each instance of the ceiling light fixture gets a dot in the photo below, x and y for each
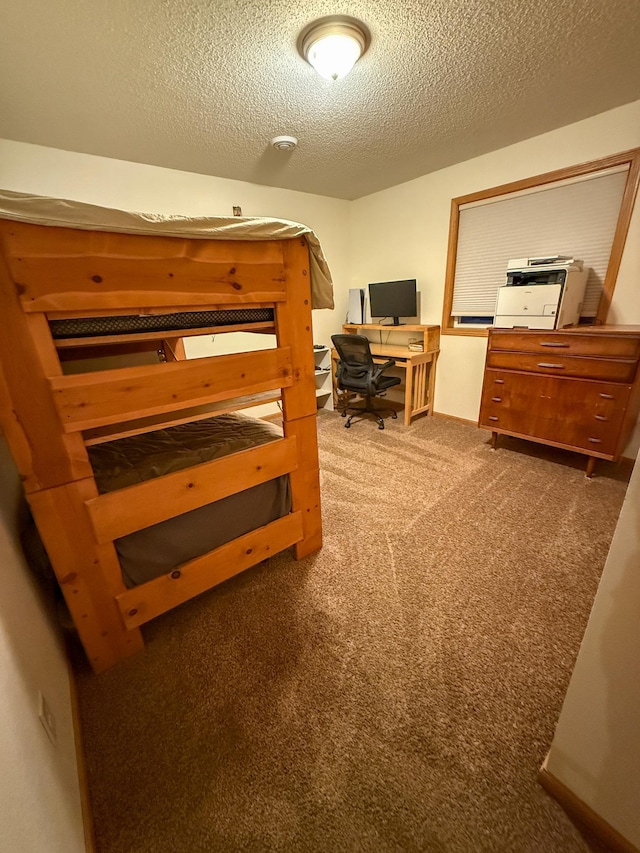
(334, 44)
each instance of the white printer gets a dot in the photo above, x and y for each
(541, 293)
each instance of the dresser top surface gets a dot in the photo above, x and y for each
(610, 329)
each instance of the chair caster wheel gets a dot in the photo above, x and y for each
(347, 425)
(343, 414)
(394, 415)
(380, 426)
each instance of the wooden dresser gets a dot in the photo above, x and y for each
(577, 389)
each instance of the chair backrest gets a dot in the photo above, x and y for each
(354, 352)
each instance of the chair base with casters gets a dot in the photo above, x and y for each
(367, 409)
(358, 373)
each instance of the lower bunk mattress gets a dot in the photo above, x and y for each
(158, 549)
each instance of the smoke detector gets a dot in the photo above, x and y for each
(284, 143)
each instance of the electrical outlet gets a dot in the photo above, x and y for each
(45, 715)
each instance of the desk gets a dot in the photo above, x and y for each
(419, 367)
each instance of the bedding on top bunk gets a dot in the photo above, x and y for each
(42, 210)
(157, 550)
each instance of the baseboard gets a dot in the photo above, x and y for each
(85, 801)
(582, 815)
(455, 418)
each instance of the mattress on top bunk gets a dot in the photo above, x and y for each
(157, 550)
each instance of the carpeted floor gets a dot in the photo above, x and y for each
(397, 691)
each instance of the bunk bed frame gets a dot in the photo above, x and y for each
(49, 418)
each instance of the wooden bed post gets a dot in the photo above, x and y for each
(44, 455)
(89, 574)
(293, 328)
(57, 478)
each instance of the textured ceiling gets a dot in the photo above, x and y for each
(203, 85)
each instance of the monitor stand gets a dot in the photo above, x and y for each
(396, 322)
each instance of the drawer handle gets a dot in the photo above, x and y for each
(607, 396)
(595, 440)
(601, 418)
(499, 381)
(492, 418)
(552, 344)
(552, 366)
(496, 399)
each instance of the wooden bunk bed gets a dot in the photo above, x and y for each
(80, 283)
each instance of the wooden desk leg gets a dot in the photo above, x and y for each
(408, 393)
(432, 381)
(334, 384)
(494, 440)
(591, 464)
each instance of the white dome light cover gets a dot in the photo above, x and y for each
(284, 143)
(333, 45)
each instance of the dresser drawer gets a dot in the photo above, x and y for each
(567, 343)
(552, 397)
(573, 412)
(555, 364)
(593, 437)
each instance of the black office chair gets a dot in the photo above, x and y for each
(358, 372)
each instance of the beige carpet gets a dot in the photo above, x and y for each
(397, 691)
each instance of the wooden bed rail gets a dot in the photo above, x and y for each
(121, 512)
(88, 400)
(148, 600)
(65, 269)
(137, 426)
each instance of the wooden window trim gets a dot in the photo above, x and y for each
(631, 157)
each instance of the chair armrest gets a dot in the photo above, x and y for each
(380, 368)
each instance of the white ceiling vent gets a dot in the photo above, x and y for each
(284, 143)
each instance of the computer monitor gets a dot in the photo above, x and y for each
(393, 299)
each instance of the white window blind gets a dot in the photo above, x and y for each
(576, 218)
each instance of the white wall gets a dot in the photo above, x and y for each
(402, 232)
(596, 748)
(39, 793)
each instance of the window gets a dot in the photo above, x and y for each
(582, 211)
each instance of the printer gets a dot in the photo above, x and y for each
(541, 293)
